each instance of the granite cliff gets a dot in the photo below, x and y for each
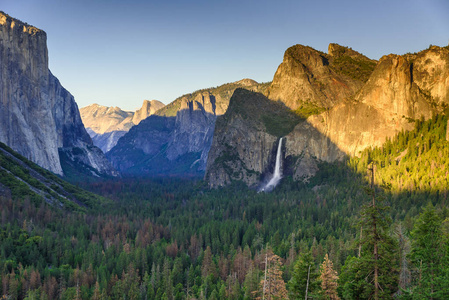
(177, 138)
(313, 78)
(245, 138)
(38, 117)
(400, 90)
(345, 101)
(106, 125)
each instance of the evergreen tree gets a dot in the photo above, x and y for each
(251, 282)
(97, 293)
(329, 278)
(272, 286)
(208, 265)
(404, 250)
(375, 272)
(305, 278)
(429, 256)
(351, 281)
(168, 284)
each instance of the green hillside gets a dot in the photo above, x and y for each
(413, 160)
(21, 178)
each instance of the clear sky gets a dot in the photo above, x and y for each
(118, 53)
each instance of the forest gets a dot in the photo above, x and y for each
(373, 227)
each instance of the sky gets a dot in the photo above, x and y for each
(118, 53)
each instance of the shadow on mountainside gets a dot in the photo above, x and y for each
(159, 147)
(246, 138)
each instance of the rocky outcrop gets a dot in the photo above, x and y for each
(141, 150)
(400, 90)
(38, 117)
(307, 81)
(149, 107)
(307, 76)
(194, 128)
(244, 146)
(106, 125)
(181, 146)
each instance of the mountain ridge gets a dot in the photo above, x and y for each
(107, 124)
(189, 122)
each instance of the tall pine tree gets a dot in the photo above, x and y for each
(329, 278)
(305, 278)
(429, 256)
(375, 272)
(272, 286)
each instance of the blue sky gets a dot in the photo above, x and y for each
(118, 53)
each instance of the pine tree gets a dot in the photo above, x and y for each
(404, 250)
(375, 273)
(168, 284)
(251, 282)
(97, 293)
(272, 286)
(304, 278)
(329, 278)
(429, 256)
(208, 266)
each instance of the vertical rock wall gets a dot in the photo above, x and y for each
(38, 117)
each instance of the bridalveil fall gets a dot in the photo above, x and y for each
(277, 175)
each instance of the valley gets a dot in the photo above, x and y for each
(328, 182)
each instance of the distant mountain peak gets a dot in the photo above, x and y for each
(149, 107)
(246, 82)
(106, 124)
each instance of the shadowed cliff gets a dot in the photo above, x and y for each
(181, 145)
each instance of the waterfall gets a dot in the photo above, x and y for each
(277, 175)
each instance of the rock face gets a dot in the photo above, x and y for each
(362, 106)
(307, 76)
(38, 117)
(106, 125)
(400, 90)
(101, 119)
(194, 128)
(242, 147)
(245, 144)
(176, 140)
(149, 107)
